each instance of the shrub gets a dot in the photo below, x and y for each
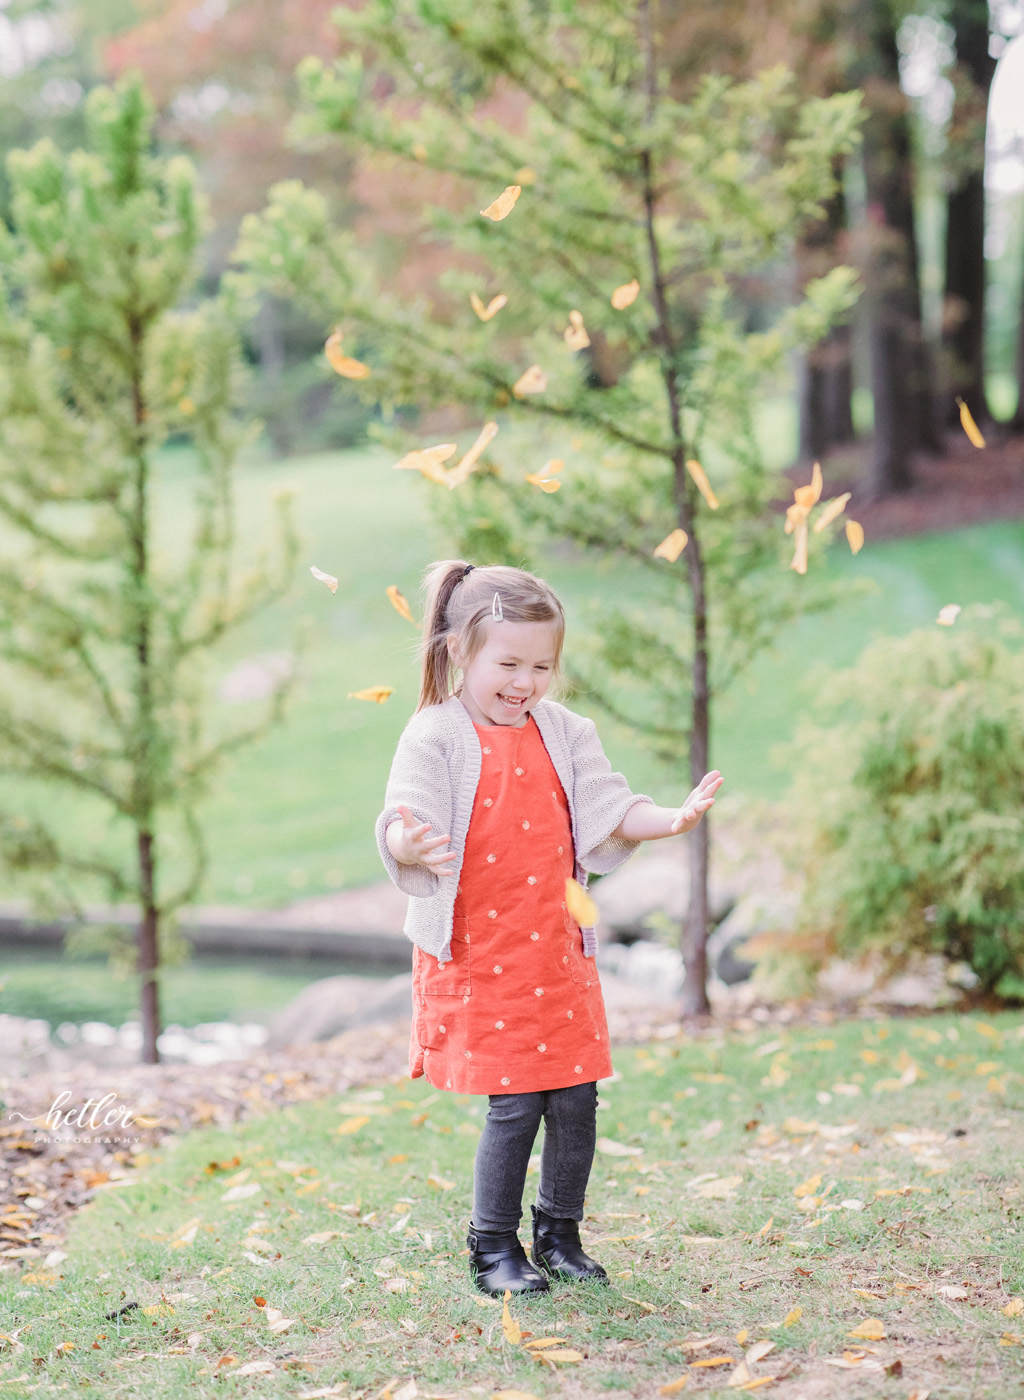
(908, 805)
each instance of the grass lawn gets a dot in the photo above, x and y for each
(849, 1194)
(294, 816)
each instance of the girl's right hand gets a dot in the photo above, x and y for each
(410, 845)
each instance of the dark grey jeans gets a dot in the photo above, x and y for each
(503, 1154)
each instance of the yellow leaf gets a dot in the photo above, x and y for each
(440, 1183)
(526, 175)
(872, 1329)
(543, 477)
(378, 694)
(672, 546)
(1009, 1339)
(756, 1384)
(539, 1343)
(758, 1350)
(702, 484)
(580, 905)
(794, 1315)
(1014, 1308)
(575, 333)
(343, 364)
(674, 1387)
(560, 1354)
(468, 461)
(329, 579)
(186, 406)
(833, 508)
(968, 424)
(741, 1337)
(531, 381)
(740, 1376)
(808, 1187)
(799, 559)
(353, 1125)
(715, 1361)
(608, 1147)
(719, 1188)
(948, 614)
(321, 1237)
(625, 295)
(808, 496)
(766, 1226)
(855, 536)
(491, 309)
(428, 461)
(276, 1320)
(400, 603)
(514, 1395)
(502, 207)
(509, 1325)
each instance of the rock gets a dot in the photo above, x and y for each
(774, 911)
(651, 886)
(924, 982)
(654, 969)
(335, 1004)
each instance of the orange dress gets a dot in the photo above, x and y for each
(518, 1008)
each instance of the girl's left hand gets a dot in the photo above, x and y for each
(698, 802)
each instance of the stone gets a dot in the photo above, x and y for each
(650, 888)
(335, 1004)
(753, 914)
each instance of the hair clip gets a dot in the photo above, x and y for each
(496, 612)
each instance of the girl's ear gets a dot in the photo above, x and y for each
(450, 641)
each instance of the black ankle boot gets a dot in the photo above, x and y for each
(557, 1248)
(498, 1261)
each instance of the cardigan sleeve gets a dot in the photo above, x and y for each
(601, 799)
(419, 780)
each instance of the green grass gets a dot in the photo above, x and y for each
(294, 816)
(734, 1214)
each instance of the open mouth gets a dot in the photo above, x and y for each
(512, 704)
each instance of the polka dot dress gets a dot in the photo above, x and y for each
(518, 1008)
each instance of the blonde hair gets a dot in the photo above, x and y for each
(459, 602)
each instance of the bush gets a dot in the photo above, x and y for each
(908, 805)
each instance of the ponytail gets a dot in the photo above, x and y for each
(437, 673)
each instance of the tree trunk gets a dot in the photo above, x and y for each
(826, 386)
(148, 953)
(1016, 424)
(694, 1000)
(963, 304)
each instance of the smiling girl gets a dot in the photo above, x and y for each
(497, 796)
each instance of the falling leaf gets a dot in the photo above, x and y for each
(344, 364)
(580, 905)
(832, 509)
(794, 1315)
(808, 496)
(672, 546)
(502, 207)
(491, 309)
(674, 1387)
(610, 1148)
(329, 579)
(353, 1125)
(625, 295)
(428, 461)
(468, 462)
(808, 1187)
(543, 478)
(575, 333)
(799, 559)
(531, 381)
(968, 424)
(400, 603)
(872, 1329)
(702, 484)
(378, 694)
(509, 1325)
(948, 615)
(855, 535)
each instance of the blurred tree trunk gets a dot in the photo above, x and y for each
(963, 307)
(826, 417)
(900, 377)
(1016, 424)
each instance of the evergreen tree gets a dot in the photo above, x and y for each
(102, 637)
(674, 203)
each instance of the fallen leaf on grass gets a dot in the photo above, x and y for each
(740, 1376)
(353, 1125)
(872, 1329)
(610, 1148)
(968, 424)
(761, 1380)
(329, 579)
(758, 1350)
(400, 603)
(575, 333)
(559, 1354)
(647, 1307)
(239, 1193)
(276, 1320)
(701, 482)
(579, 904)
(323, 1393)
(672, 546)
(625, 295)
(793, 1316)
(344, 364)
(855, 536)
(808, 1187)
(321, 1237)
(491, 309)
(715, 1361)
(397, 1285)
(1014, 1307)
(674, 1387)
(531, 381)
(514, 1395)
(540, 1343)
(440, 1183)
(255, 1368)
(948, 615)
(719, 1188)
(509, 1325)
(378, 694)
(409, 1391)
(501, 207)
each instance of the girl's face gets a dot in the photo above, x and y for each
(510, 673)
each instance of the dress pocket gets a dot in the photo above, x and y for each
(581, 969)
(453, 979)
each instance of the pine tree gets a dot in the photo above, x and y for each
(102, 638)
(621, 184)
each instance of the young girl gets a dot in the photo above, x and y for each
(496, 797)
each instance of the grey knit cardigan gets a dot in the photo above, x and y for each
(435, 773)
